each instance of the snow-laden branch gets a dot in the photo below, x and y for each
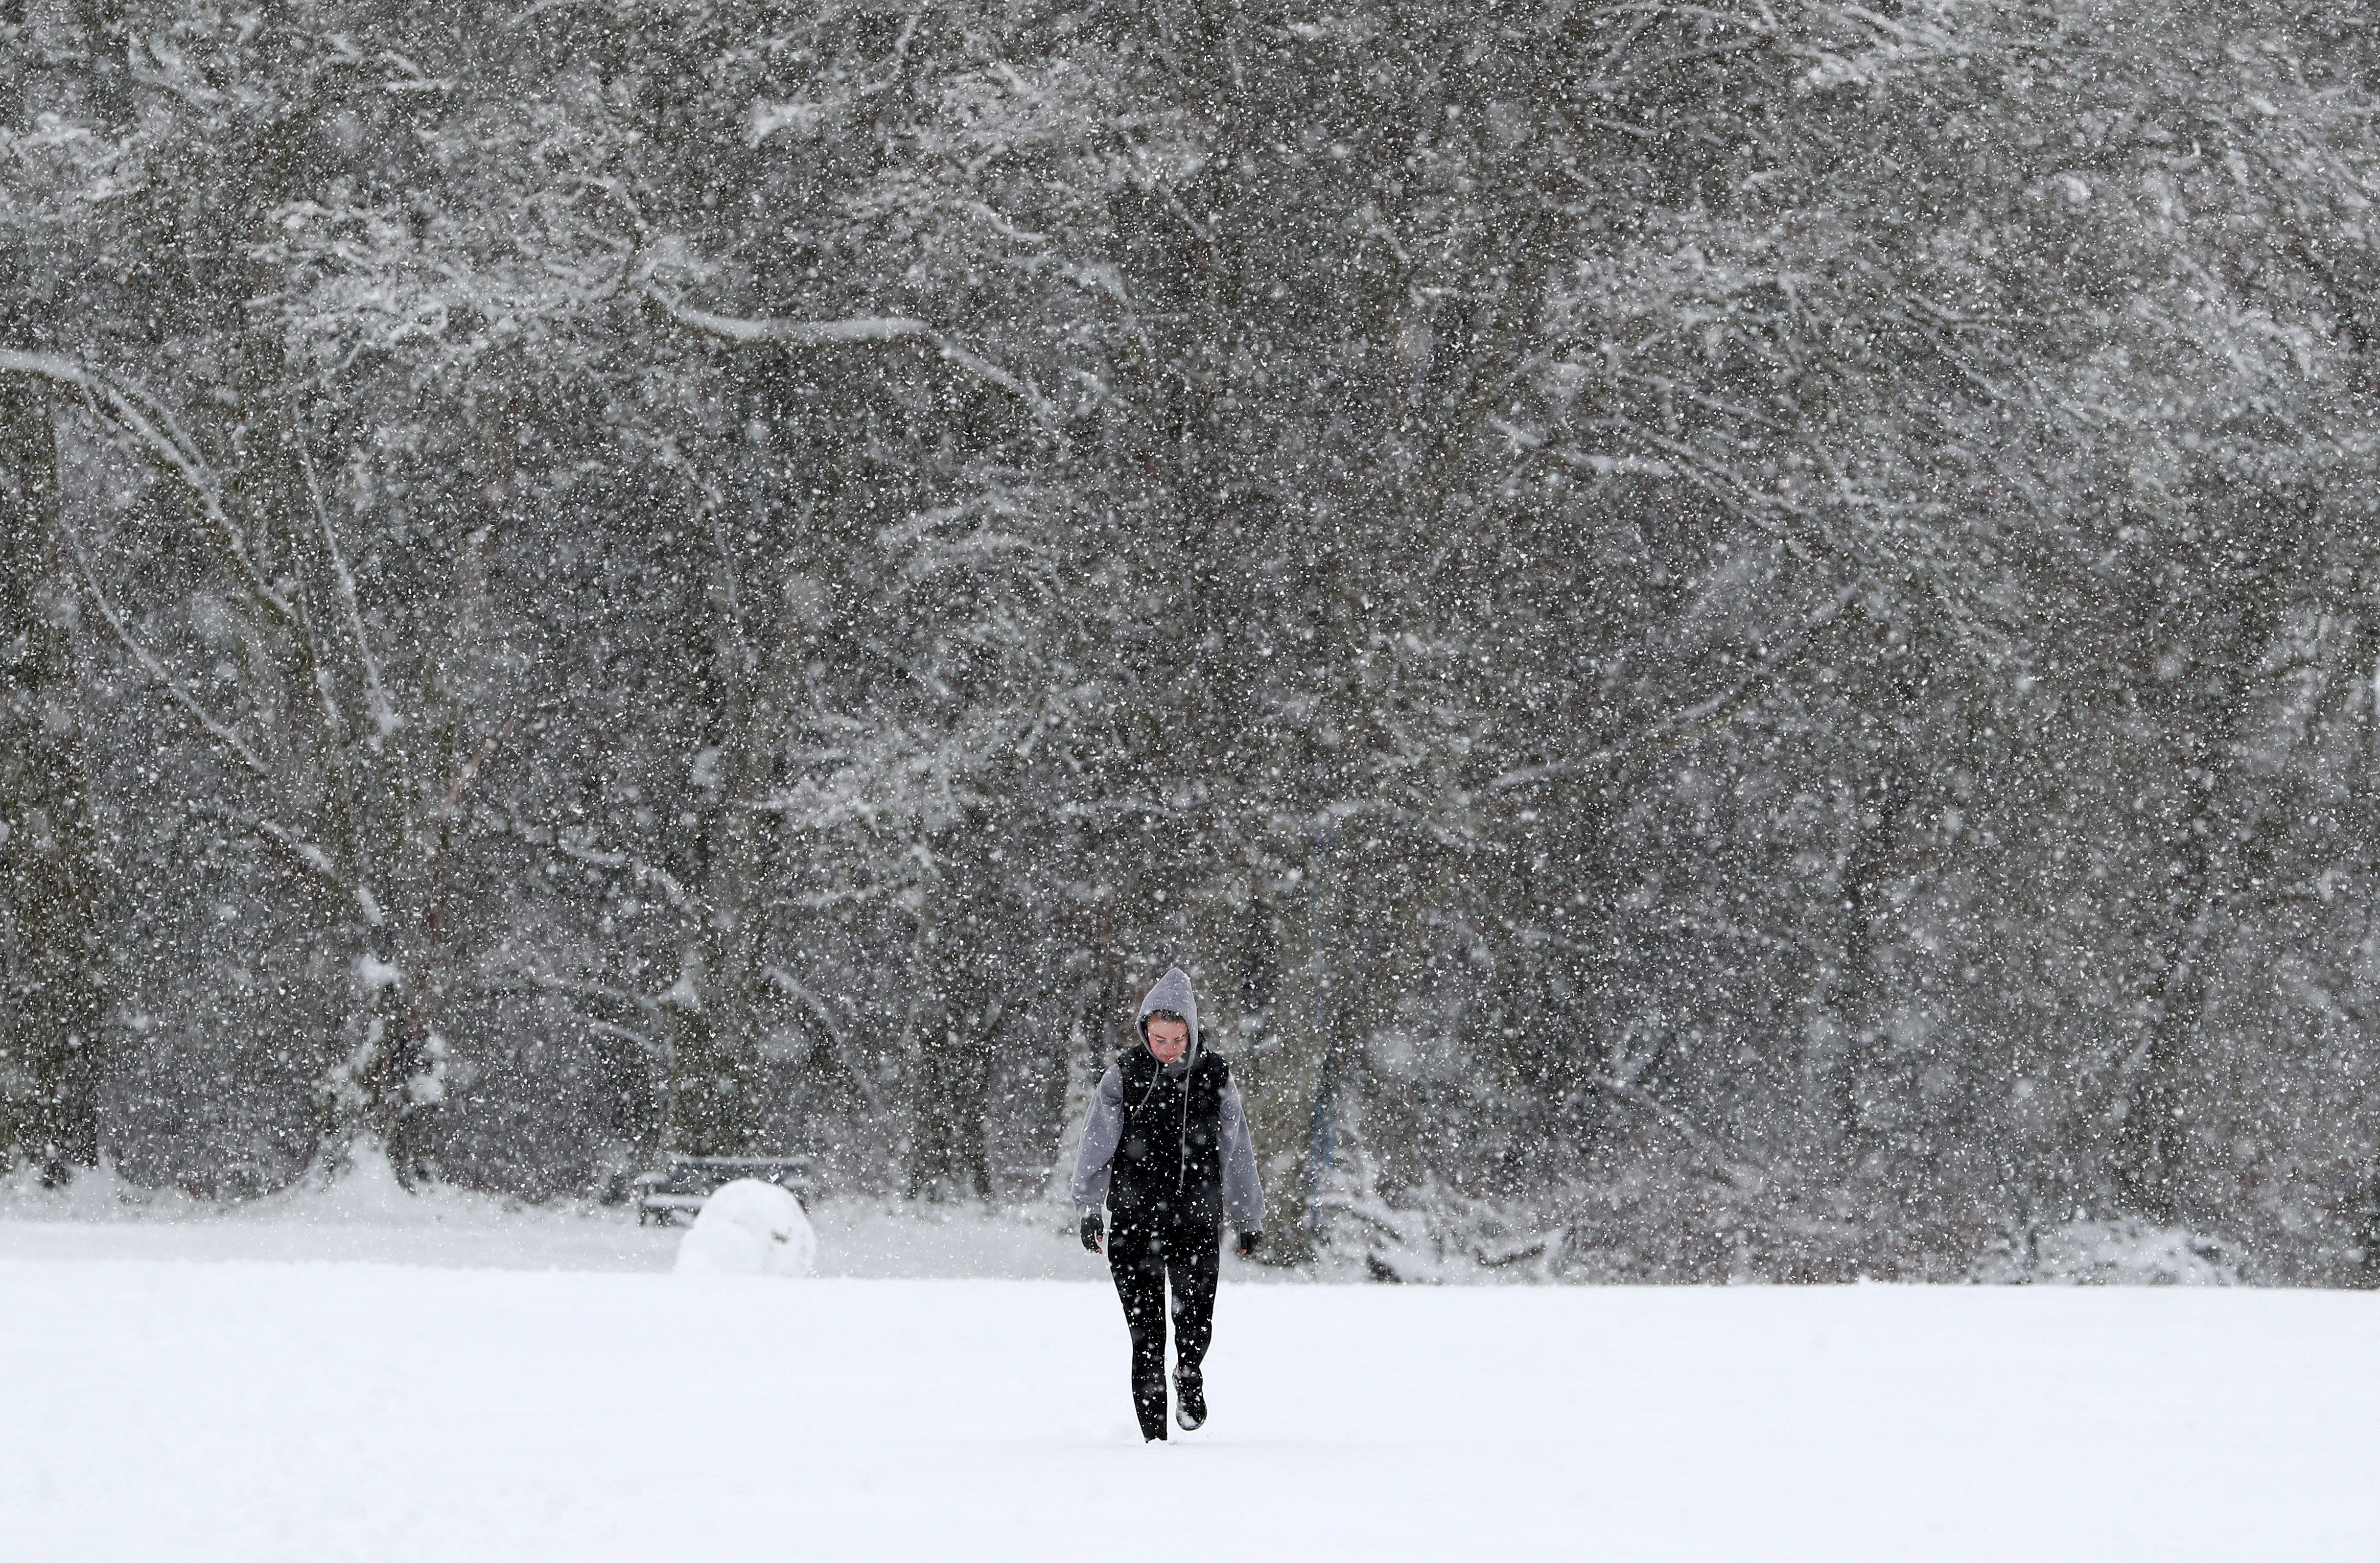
(309, 856)
(793, 987)
(626, 1034)
(153, 432)
(681, 900)
(573, 988)
(384, 719)
(211, 727)
(1702, 717)
(141, 420)
(803, 334)
(1712, 1152)
(792, 333)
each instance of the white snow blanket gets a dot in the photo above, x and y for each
(748, 1228)
(251, 1411)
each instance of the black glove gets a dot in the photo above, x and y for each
(1249, 1243)
(1092, 1230)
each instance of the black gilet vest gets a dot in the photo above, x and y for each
(1169, 1160)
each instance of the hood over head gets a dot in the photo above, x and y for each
(1172, 992)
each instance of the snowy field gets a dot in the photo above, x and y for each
(271, 1406)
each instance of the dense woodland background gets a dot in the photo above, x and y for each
(1736, 639)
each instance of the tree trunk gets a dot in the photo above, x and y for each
(714, 1011)
(2156, 1128)
(2227, 844)
(52, 954)
(1844, 1029)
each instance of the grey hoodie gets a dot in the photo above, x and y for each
(1243, 1194)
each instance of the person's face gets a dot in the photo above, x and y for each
(1169, 1039)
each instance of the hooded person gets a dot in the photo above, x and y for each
(1166, 1149)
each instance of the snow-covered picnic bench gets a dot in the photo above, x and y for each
(679, 1189)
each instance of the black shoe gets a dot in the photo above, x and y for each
(1190, 1394)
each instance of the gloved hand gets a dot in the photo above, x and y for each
(1092, 1230)
(1249, 1243)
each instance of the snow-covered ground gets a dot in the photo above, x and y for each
(364, 1216)
(569, 1407)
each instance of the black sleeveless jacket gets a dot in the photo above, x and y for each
(1169, 1160)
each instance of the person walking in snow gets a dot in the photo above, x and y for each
(1166, 1149)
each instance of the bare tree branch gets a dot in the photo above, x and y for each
(152, 430)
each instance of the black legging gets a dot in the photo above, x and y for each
(1143, 1255)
